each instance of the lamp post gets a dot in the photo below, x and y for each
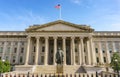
(116, 63)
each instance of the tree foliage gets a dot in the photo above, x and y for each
(115, 61)
(4, 66)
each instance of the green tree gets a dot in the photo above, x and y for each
(4, 66)
(115, 61)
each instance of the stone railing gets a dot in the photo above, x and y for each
(105, 33)
(60, 75)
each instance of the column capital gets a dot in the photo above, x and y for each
(81, 37)
(37, 37)
(89, 37)
(28, 37)
(64, 37)
(55, 37)
(73, 37)
(46, 37)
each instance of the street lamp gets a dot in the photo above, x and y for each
(116, 63)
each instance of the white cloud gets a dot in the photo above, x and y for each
(76, 1)
(20, 21)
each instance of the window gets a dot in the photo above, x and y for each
(1, 49)
(0, 57)
(33, 59)
(6, 57)
(110, 51)
(105, 59)
(75, 49)
(14, 59)
(8, 49)
(103, 51)
(96, 49)
(1, 43)
(15, 50)
(97, 60)
(43, 41)
(22, 43)
(43, 49)
(9, 43)
(34, 49)
(21, 59)
(76, 59)
(42, 59)
(75, 41)
(22, 50)
(52, 51)
(16, 43)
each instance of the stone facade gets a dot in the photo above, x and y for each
(38, 44)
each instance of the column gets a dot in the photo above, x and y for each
(64, 49)
(113, 47)
(55, 49)
(11, 49)
(46, 51)
(80, 54)
(88, 53)
(82, 50)
(28, 50)
(93, 57)
(18, 52)
(37, 50)
(4, 49)
(101, 54)
(73, 50)
(107, 52)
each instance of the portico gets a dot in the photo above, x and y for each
(75, 41)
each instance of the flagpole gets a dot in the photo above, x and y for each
(60, 13)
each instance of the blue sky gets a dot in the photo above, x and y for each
(101, 15)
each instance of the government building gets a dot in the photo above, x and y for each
(34, 50)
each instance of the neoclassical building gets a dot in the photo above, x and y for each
(34, 49)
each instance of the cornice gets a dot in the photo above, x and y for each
(13, 33)
(106, 34)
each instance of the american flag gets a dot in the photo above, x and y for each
(57, 6)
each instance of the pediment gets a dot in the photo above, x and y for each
(60, 26)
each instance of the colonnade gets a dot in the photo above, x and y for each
(81, 52)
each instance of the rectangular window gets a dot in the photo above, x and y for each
(105, 59)
(42, 59)
(75, 49)
(21, 59)
(0, 57)
(8, 49)
(9, 43)
(103, 51)
(6, 57)
(14, 59)
(22, 43)
(96, 49)
(16, 43)
(43, 49)
(15, 50)
(34, 49)
(1, 49)
(22, 50)
(97, 60)
(76, 59)
(1, 43)
(33, 59)
(110, 51)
